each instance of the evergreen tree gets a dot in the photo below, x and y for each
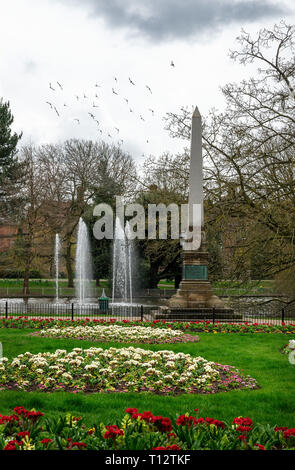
(9, 165)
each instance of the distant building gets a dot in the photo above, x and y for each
(8, 234)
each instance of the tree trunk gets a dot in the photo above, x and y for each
(69, 266)
(153, 276)
(177, 280)
(26, 289)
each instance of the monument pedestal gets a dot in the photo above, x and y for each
(195, 299)
(195, 290)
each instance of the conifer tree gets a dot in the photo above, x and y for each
(9, 165)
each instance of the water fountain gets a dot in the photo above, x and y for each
(83, 272)
(56, 263)
(122, 265)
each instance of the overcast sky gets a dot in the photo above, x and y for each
(98, 47)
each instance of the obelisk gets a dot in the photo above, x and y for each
(195, 290)
(196, 217)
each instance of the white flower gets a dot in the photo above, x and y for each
(66, 375)
(112, 367)
(15, 363)
(170, 364)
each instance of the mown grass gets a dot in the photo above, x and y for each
(48, 286)
(43, 287)
(257, 354)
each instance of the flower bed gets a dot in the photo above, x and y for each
(119, 370)
(290, 350)
(290, 347)
(134, 334)
(30, 430)
(193, 326)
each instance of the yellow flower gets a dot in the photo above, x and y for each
(26, 445)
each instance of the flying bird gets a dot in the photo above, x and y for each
(77, 97)
(131, 111)
(59, 85)
(97, 86)
(126, 100)
(109, 135)
(56, 111)
(115, 78)
(142, 118)
(172, 63)
(49, 104)
(132, 83)
(91, 115)
(51, 87)
(152, 111)
(114, 91)
(95, 105)
(85, 96)
(118, 130)
(148, 88)
(78, 121)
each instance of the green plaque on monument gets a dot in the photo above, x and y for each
(191, 272)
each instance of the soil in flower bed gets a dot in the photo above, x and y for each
(130, 369)
(121, 334)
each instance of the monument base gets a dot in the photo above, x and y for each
(195, 299)
(195, 289)
(195, 294)
(194, 314)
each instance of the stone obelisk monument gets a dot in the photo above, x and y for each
(195, 292)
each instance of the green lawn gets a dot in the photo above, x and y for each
(47, 287)
(44, 287)
(257, 354)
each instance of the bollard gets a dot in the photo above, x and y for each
(6, 309)
(103, 302)
(141, 312)
(72, 312)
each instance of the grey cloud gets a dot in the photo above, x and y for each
(176, 19)
(30, 66)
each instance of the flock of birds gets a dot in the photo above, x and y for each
(58, 87)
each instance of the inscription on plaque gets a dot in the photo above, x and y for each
(191, 272)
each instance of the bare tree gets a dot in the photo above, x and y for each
(249, 151)
(32, 218)
(78, 172)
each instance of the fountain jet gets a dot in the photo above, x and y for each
(122, 264)
(56, 263)
(83, 271)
